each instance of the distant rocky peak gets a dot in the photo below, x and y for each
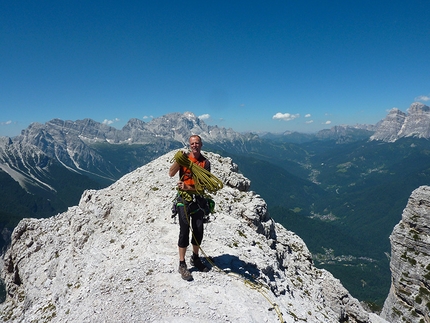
(4, 142)
(398, 124)
(134, 123)
(190, 115)
(396, 111)
(418, 108)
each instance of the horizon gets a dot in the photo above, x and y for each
(249, 66)
(120, 128)
(202, 119)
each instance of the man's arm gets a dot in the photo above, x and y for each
(181, 185)
(174, 169)
(207, 165)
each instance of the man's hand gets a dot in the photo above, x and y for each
(182, 185)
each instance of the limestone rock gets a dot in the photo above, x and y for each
(409, 296)
(113, 258)
(397, 124)
(389, 128)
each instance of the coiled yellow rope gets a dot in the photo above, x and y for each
(203, 179)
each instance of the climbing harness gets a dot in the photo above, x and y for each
(204, 203)
(204, 180)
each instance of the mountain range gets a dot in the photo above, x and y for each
(353, 181)
(398, 124)
(113, 258)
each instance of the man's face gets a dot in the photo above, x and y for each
(195, 144)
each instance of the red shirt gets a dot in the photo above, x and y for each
(186, 175)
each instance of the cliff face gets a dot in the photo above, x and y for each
(409, 297)
(113, 258)
(397, 124)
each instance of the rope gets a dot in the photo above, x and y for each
(259, 287)
(203, 179)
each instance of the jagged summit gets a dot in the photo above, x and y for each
(78, 146)
(113, 258)
(418, 108)
(397, 124)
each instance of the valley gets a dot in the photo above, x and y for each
(339, 191)
(361, 192)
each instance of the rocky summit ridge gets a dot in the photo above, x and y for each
(113, 258)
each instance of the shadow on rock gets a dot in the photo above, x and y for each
(229, 263)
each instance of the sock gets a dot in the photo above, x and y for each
(182, 263)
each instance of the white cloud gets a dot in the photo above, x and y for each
(327, 122)
(148, 117)
(422, 98)
(5, 123)
(204, 116)
(285, 116)
(308, 115)
(108, 122)
(309, 121)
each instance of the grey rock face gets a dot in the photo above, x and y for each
(417, 122)
(71, 144)
(345, 134)
(397, 124)
(177, 126)
(113, 258)
(390, 127)
(409, 297)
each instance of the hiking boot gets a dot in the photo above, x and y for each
(196, 262)
(185, 273)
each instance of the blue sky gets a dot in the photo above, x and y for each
(247, 65)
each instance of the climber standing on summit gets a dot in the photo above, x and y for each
(190, 212)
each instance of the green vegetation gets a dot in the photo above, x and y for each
(16, 203)
(344, 197)
(240, 232)
(41, 202)
(125, 158)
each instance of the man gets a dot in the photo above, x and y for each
(190, 212)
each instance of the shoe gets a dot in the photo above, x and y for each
(196, 262)
(185, 273)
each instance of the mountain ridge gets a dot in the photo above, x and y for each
(398, 124)
(105, 260)
(313, 181)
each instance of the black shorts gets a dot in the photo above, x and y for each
(191, 213)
